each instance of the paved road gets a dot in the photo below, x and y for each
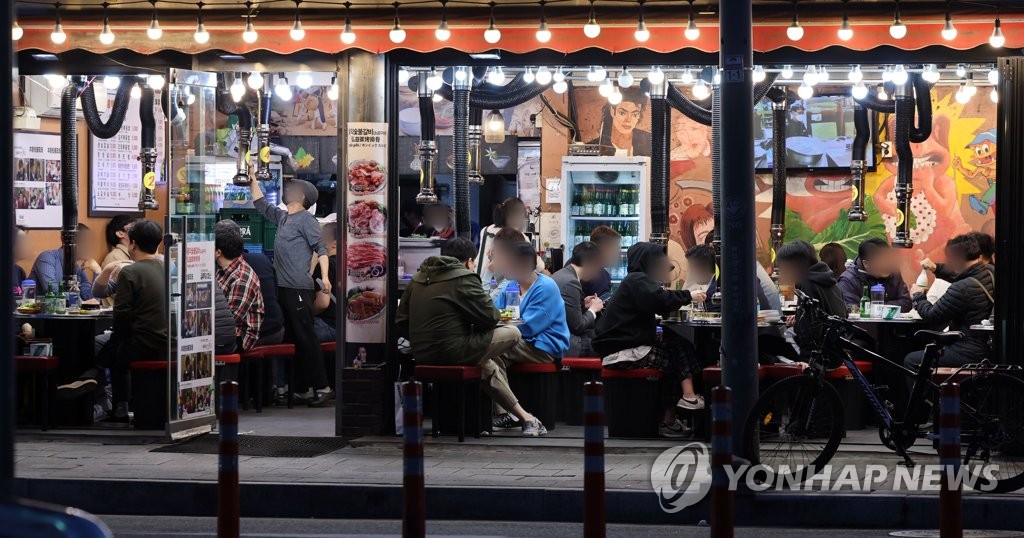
(125, 526)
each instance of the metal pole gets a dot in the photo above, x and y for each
(951, 507)
(721, 457)
(739, 303)
(593, 460)
(413, 502)
(227, 472)
(7, 341)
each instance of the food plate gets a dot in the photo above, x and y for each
(366, 260)
(367, 218)
(365, 303)
(366, 176)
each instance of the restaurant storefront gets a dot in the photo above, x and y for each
(345, 98)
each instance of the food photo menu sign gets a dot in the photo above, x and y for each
(37, 188)
(195, 334)
(366, 251)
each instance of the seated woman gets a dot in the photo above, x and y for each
(626, 332)
(580, 312)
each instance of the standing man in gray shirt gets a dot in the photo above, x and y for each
(298, 237)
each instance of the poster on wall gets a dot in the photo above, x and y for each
(366, 252)
(37, 190)
(195, 336)
(115, 171)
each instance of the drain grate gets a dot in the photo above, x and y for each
(260, 445)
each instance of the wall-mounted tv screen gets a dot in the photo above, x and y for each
(819, 134)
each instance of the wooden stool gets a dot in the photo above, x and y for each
(39, 368)
(463, 378)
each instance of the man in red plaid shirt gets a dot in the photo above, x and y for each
(239, 283)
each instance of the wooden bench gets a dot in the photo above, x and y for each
(632, 402)
(463, 379)
(39, 369)
(536, 387)
(575, 372)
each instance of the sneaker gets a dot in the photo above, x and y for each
(534, 428)
(120, 414)
(78, 387)
(675, 430)
(505, 421)
(321, 398)
(691, 405)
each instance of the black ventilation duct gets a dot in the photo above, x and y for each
(69, 180)
(427, 149)
(778, 98)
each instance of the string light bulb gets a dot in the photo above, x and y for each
(201, 35)
(900, 75)
(897, 29)
(759, 74)
(795, 32)
(106, 35)
(332, 92)
(997, 39)
(787, 71)
(656, 75)
(528, 76)
(57, 36)
(615, 97)
(887, 74)
(543, 33)
(249, 35)
(961, 70)
(442, 33)
(135, 92)
(403, 76)
(625, 78)
(304, 80)
(805, 91)
(560, 87)
(692, 32)
(930, 73)
(154, 31)
(823, 74)
(282, 89)
(994, 95)
(859, 90)
(255, 80)
(882, 96)
(434, 80)
(993, 76)
(962, 96)
(397, 33)
(111, 82)
(460, 74)
(156, 81)
(687, 76)
(811, 75)
(845, 31)
(297, 32)
(237, 89)
(948, 30)
(855, 75)
(17, 32)
(642, 34)
(492, 34)
(496, 76)
(559, 75)
(605, 89)
(543, 75)
(592, 29)
(701, 91)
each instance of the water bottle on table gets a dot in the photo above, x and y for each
(877, 300)
(512, 299)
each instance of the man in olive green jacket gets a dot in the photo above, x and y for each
(449, 319)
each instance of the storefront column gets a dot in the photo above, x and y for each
(1009, 334)
(7, 398)
(739, 311)
(361, 79)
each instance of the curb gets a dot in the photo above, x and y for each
(353, 501)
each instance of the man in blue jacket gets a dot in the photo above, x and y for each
(876, 263)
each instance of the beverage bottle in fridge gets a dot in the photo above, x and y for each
(635, 203)
(575, 202)
(613, 203)
(625, 196)
(865, 303)
(599, 203)
(588, 201)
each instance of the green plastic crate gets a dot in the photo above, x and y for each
(249, 221)
(269, 231)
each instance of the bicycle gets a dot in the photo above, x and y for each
(799, 421)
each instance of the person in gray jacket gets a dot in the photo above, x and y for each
(580, 311)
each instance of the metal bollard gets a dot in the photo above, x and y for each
(593, 460)
(951, 509)
(414, 504)
(227, 472)
(721, 457)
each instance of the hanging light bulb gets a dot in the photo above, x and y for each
(56, 82)
(642, 34)
(559, 75)
(434, 80)
(492, 34)
(332, 92)
(156, 81)
(701, 90)
(543, 34)
(560, 87)
(57, 35)
(106, 35)
(717, 77)
(111, 82)
(961, 70)
(692, 32)
(845, 32)
(962, 96)
(811, 75)
(403, 76)
(17, 32)
(859, 90)
(201, 35)
(436, 97)
(592, 75)
(805, 91)
(249, 35)
(237, 89)
(282, 89)
(687, 76)
(460, 74)
(347, 35)
(997, 39)
(970, 88)
(855, 75)
(442, 33)
(823, 74)
(397, 33)
(656, 75)
(592, 29)
(930, 74)
(900, 75)
(993, 76)
(543, 76)
(887, 74)
(297, 32)
(615, 97)
(897, 29)
(759, 73)
(948, 30)
(787, 71)
(795, 32)
(882, 96)
(605, 89)
(135, 92)
(496, 76)
(625, 78)
(994, 95)
(528, 76)
(304, 80)
(154, 31)
(255, 80)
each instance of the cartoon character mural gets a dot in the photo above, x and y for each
(984, 147)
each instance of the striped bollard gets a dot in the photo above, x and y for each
(227, 472)
(593, 460)
(721, 457)
(414, 504)
(951, 509)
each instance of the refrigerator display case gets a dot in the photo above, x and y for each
(610, 191)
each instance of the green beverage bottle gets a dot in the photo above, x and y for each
(588, 201)
(60, 305)
(48, 299)
(865, 303)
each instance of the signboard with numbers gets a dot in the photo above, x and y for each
(115, 172)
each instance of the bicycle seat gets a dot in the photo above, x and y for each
(940, 337)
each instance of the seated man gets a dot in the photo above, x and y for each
(440, 220)
(968, 301)
(324, 306)
(49, 266)
(140, 323)
(117, 239)
(610, 243)
(239, 284)
(580, 311)
(798, 265)
(449, 319)
(701, 269)
(876, 263)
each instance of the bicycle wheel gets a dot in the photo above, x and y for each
(795, 428)
(992, 427)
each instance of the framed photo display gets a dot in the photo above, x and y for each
(37, 188)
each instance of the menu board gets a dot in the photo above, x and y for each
(37, 191)
(115, 172)
(365, 304)
(195, 335)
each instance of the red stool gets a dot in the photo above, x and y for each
(632, 402)
(712, 376)
(259, 356)
(536, 387)
(463, 378)
(575, 372)
(149, 394)
(39, 368)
